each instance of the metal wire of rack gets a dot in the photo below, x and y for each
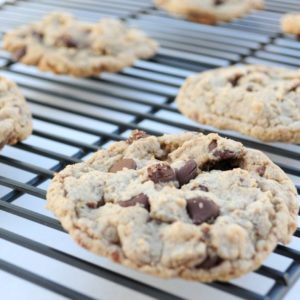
(74, 117)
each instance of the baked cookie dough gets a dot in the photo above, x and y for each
(15, 117)
(290, 23)
(64, 45)
(210, 11)
(260, 101)
(188, 205)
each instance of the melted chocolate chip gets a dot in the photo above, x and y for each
(249, 89)
(213, 145)
(136, 135)
(201, 210)
(94, 205)
(261, 170)
(210, 262)
(68, 41)
(122, 164)
(140, 199)
(161, 173)
(18, 54)
(218, 2)
(235, 79)
(187, 172)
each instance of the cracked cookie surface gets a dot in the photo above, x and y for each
(62, 44)
(15, 116)
(184, 205)
(210, 11)
(260, 101)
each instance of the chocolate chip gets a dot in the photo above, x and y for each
(261, 170)
(294, 87)
(136, 135)
(203, 188)
(235, 79)
(210, 262)
(212, 145)
(18, 54)
(201, 210)
(161, 173)
(187, 172)
(250, 88)
(127, 163)
(224, 154)
(140, 199)
(68, 41)
(94, 205)
(218, 2)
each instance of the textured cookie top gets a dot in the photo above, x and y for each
(188, 205)
(210, 11)
(62, 44)
(15, 117)
(257, 100)
(290, 23)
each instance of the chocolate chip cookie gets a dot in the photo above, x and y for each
(15, 117)
(210, 11)
(187, 205)
(290, 23)
(64, 45)
(260, 101)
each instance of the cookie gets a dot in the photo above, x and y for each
(15, 116)
(61, 44)
(210, 11)
(188, 205)
(290, 23)
(258, 4)
(259, 101)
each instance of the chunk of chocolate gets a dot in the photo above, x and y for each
(250, 88)
(210, 262)
(161, 173)
(68, 41)
(212, 145)
(18, 54)
(261, 170)
(235, 79)
(201, 210)
(218, 2)
(127, 163)
(94, 205)
(224, 154)
(294, 87)
(187, 172)
(140, 199)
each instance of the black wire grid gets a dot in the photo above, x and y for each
(75, 117)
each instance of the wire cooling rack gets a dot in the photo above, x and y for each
(75, 117)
